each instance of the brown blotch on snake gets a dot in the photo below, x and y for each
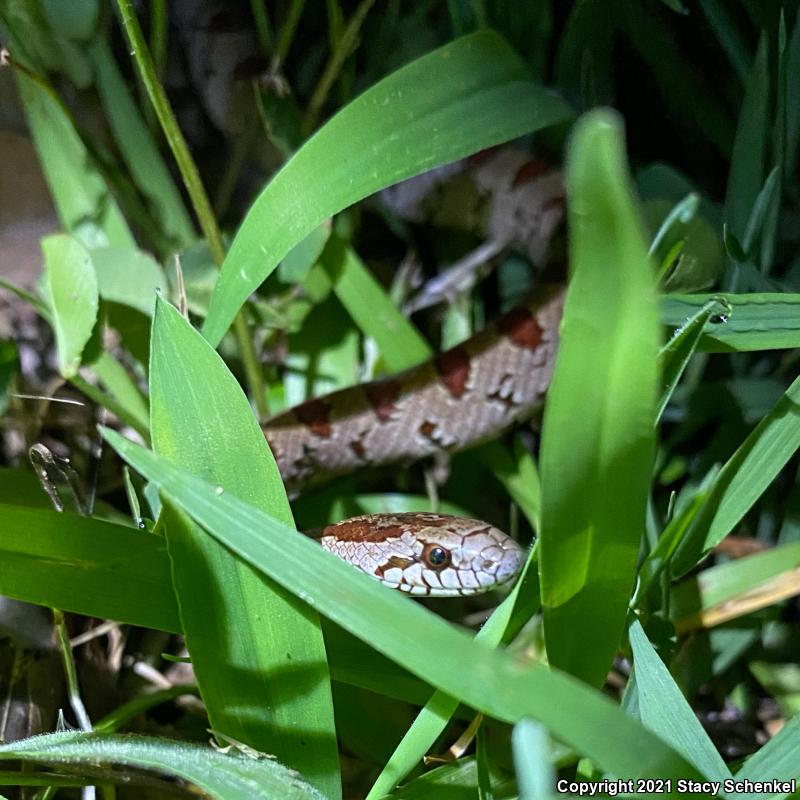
(454, 367)
(382, 396)
(315, 415)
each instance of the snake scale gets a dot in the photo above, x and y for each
(462, 397)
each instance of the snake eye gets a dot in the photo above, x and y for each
(436, 556)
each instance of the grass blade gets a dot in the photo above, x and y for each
(743, 479)
(597, 438)
(666, 712)
(763, 321)
(227, 776)
(426, 645)
(400, 127)
(72, 286)
(249, 639)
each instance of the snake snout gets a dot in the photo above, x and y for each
(511, 561)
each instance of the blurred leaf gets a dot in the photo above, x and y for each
(400, 127)
(400, 344)
(782, 681)
(225, 775)
(749, 148)
(141, 156)
(129, 277)
(72, 286)
(750, 577)
(531, 747)
(792, 97)
(298, 261)
(248, 681)
(9, 367)
(82, 198)
(728, 34)
(597, 438)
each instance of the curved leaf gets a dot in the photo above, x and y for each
(402, 126)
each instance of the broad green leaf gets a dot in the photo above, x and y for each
(399, 342)
(426, 645)
(228, 775)
(743, 479)
(72, 290)
(84, 565)
(248, 637)
(597, 438)
(109, 571)
(754, 321)
(129, 276)
(402, 126)
(137, 147)
(666, 712)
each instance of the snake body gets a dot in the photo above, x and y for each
(466, 395)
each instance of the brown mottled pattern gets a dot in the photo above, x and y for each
(505, 382)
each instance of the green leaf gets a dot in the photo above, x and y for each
(72, 289)
(225, 775)
(749, 148)
(777, 760)
(248, 638)
(597, 438)
(675, 354)
(9, 366)
(531, 747)
(137, 147)
(666, 712)
(90, 567)
(730, 38)
(83, 201)
(755, 321)
(84, 565)
(723, 583)
(402, 126)
(400, 344)
(129, 276)
(487, 680)
(743, 479)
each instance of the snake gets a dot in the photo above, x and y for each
(464, 396)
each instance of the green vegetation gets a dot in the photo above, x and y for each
(653, 634)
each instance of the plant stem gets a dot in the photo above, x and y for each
(344, 47)
(288, 30)
(194, 186)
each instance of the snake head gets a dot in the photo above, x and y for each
(434, 555)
